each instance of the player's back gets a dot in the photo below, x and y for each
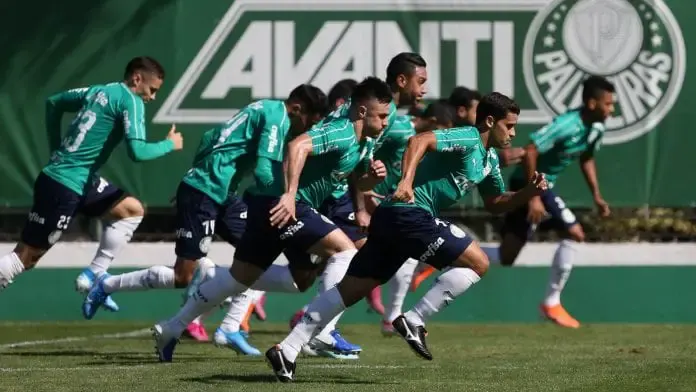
(97, 128)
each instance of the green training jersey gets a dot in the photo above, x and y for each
(335, 154)
(341, 187)
(106, 114)
(459, 164)
(259, 129)
(566, 138)
(392, 151)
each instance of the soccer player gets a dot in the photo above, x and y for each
(255, 137)
(405, 226)
(575, 134)
(406, 77)
(465, 102)
(69, 183)
(438, 115)
(340, 92)
(282, 213)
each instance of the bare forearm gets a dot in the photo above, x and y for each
(356, 194)
(297, 156)
(508, 201)
(417, 147)
(589, 171)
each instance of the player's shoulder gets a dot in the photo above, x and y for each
(464, 133)
(571, 118)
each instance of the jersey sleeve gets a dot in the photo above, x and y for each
(493, 185)
(140, 150)
(594, 138)
(449, 140)
(328, 137)
(545, 138)
(133, 116)
(69, 101)
(272, 138)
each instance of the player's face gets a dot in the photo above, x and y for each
(146, 86)
(374, 115)
(412, 89)
(602, 107)
(301, 122)
(503, 131)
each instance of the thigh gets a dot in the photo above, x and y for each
(342, 214)
(232, 220)
(196, 215)
(53, 207)
(260, 243)
(309, 229)
(560, 216)
(100, 197)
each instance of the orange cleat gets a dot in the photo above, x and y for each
(420, 276)
(244, 326)
(558, 315)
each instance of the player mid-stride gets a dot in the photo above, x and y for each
(575, 134)
(68, 184)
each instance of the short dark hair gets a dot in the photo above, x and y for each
(312, 99)
(497, 105)
(372, 88)
(145, 64)
(342, 89)
(594, 86)
(441, 110)
(403, 63)
(462, 96)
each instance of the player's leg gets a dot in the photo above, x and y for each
(373, 265)
(53, 207)
(563, 219)
(398, 289)
(446, 246)
(121, 215)
(196, 214)
(259, 246)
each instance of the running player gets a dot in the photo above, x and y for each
(255, 136)
(406, 77)
(404, 226)
(69, 183)
(282, 213)
(438, 115)
(464, 101)
(575, 134)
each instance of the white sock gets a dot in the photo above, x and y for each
(209, 295)
(448, 286)
(325, 307)
(336, 268)
(10, 267)
(256, 295)
(156, 277)
(398, 288)
(116, 234)
(560, 271)
(277, 278)
(237, 310)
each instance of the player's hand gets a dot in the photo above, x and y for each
(404, 193)
(538, 184)
(175, 137)
(362, 220)
(536, 211)
(284, 211)
(602, 206)
(378, 170)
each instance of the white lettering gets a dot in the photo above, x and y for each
(504, 58)
(350, 58)
(467, 35)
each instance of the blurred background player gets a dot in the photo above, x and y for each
(576, 134)
(465, 101)
(437, 115)
(106, 115)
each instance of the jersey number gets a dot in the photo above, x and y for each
(85, 121)
(233, 124)
(209, 227)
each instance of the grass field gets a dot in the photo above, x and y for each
(498, 357)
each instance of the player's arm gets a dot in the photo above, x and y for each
(497, 201)
(589, 171)
(133, 116)
(69, 101)
(270, 149)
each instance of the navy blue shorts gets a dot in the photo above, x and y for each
(560, 217)
(262, 243)
(199, 218)
(341, 212)
(399, 233)
(55, 205)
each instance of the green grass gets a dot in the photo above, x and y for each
(471, 357)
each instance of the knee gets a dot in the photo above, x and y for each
(576, 233)
(480, 264)
(130, 207)
(183, 273)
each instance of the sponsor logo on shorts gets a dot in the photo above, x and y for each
(183, 233)
(292, 230)
(432, 248)
(36, 218)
